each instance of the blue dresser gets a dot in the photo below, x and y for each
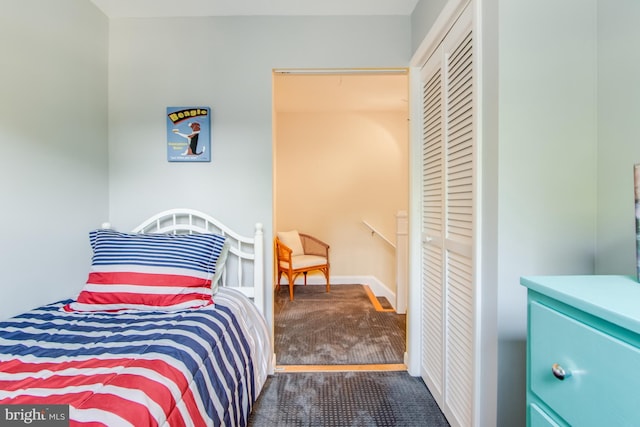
(583, 351)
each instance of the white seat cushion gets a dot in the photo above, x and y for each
(292, 240)
(304, 261)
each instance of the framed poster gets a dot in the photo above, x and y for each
(188, 134)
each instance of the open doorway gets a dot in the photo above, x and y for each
(341, 156)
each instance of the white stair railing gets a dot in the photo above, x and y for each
(402, 256)
(374, 231)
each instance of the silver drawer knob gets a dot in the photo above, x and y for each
(559, 372)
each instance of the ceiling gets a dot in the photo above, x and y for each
(174, 8)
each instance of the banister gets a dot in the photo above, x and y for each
(375, 231)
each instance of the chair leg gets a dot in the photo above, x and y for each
(326, 275)
(305, 278)
(290, 277)
(279, 279)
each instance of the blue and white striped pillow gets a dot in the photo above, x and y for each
(149, 271)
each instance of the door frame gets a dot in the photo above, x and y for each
(402, 285)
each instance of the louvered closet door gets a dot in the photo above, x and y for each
(448, 223)
(432, 226)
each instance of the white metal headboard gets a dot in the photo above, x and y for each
(244, 268)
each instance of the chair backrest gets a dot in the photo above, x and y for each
(314, 246)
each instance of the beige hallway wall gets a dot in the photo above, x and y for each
(335, 169)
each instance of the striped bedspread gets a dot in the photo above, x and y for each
(201, 367)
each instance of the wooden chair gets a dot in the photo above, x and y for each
(300, 253)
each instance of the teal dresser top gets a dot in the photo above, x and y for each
(613, 298)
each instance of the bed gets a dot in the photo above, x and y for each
(167, 331)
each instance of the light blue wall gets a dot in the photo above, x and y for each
(57, 116)
(53, 127)
(422, 19)
(618, 136)
(565, 101)
(548, 142)
(225, 63)
(547, 171)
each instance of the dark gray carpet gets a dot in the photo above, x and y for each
(340, 327)
(393, 399)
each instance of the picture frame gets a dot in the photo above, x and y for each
(188, 134)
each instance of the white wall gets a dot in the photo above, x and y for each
(618, 137)
(53, 127)
(337, 169)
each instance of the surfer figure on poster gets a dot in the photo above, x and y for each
(192, 138)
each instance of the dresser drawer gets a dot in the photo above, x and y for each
(538, 418)
(603, 388)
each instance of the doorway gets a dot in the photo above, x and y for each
(341, 156)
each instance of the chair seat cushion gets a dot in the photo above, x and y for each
(305, 261)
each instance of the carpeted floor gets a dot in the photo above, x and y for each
(341, 327)
(381, 399)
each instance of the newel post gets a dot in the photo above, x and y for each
(402, 261)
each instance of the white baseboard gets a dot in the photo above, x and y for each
(378, 288)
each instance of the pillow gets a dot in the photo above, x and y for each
(219, 267)
(149, 271)
(292, 240)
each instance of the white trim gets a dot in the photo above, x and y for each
(341, 71)
(414, 306)
(449, 14)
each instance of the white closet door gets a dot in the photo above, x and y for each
(433, 214)
(448, 279)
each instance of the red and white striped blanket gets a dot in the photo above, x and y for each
(198, 367)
